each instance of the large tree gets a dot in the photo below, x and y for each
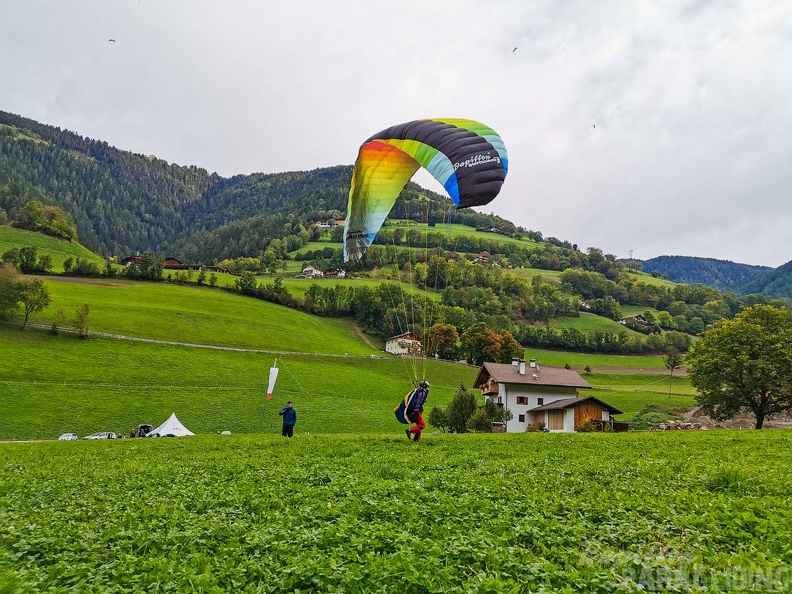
(34, 297)
(9, 288)
(745, 362)
(461, 408)
(441, 339)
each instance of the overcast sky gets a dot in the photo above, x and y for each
(661, 128)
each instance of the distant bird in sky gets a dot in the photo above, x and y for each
(595, 126)
(514, 50)
(113, 40)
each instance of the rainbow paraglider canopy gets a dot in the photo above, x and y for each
(466, 157)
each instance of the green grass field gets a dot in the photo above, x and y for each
(588, 322)
(593, 360)
(198, 315)
(552, 276)
(663, 512)
(648, 279)
(57, 249)
(56, 384)
(632, 310)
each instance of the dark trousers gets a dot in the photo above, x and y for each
(288, 431)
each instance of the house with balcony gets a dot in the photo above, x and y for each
(549, 396)
(406, 343)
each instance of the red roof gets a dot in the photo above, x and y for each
(505, 373)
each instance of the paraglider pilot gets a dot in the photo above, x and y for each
(415, 410)
(289, 414)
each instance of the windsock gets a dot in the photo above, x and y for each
(272, 377)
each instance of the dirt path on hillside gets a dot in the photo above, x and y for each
(365, 338)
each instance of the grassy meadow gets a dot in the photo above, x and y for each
(54, 384)
(192, 314)
(588, 322)
(663, 512)
(57, 249)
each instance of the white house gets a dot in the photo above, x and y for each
(403, 344)
(549, 395)
(311, 272)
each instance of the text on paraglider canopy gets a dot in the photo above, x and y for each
(477, 160)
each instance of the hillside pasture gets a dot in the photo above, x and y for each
(664, 512)
(634, 310)
(454, 230)
(588, 322)
(594, 360)
(194, 314)
(55, 384)
(648, 279)
(57, 249)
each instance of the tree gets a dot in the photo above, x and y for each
(246, 284)
(28, 257)
(745, 362)
(438, 417)
(34, 297)
(479, 344)
(58, 321)
(9, 288)
(672, 360)
(488, 414)
(461, 408)
(81, 322)
(509, 348)
(441, 339)
(44, 263)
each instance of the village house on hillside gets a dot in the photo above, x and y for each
(330, 223)
(171, 263)
(549, 396)
(311, 272)
(403, 344)
(634, 321)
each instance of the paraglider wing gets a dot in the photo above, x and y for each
(404, 408)
(273, 375)
(467, 157)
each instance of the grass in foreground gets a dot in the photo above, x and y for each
(470, 513)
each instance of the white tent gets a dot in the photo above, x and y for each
(172, 426)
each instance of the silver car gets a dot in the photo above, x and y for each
(101, 435)
(68, 437)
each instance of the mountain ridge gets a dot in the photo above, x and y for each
(124, 202)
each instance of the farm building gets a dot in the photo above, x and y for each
(549, 395)
(403, 344)
(311, 272)
(634, 321)
(171, 263)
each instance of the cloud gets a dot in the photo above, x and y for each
(691, 100)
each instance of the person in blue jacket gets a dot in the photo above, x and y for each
(289, 414)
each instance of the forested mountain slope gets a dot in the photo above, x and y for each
(723, 275)
(123, 202)
(774, 283)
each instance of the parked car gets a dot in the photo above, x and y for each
(68, 437)
(143, 431)
(101, 435)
